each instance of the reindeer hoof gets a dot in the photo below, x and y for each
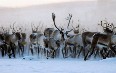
(23, 58)
(85, 59)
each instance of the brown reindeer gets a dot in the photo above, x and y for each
(87, 38)
(8, 45)
(103, 39)
(48, 32)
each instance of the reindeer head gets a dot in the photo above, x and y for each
(69, 19)
(107, 27)
(12, 29)
(76, 30)
(35, 29)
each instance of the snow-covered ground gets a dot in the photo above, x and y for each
(57, 66)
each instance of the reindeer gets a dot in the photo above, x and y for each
(33, 40)
(3, 47)
(76, 41)
(7, 46)
(21, 41)
(107, 40)
(12, 41)
(36, 41)
(52, 41)
(48, 32)
(64, 35)
(19, 38)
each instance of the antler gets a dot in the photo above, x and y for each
(38, 26)
(41, 29)
(102, 24)
(32, 27)
(76, 30)
(53, 17)
(14, 27)
(69, 18)
(109, 27)
(61, 31)
(68, 31)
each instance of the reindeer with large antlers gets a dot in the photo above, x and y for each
(106, 40)
(64, 35)
(52, 41)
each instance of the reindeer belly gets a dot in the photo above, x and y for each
(103, 41)
(70, 41)
(89, 39)
(100, 46)
(113, 40)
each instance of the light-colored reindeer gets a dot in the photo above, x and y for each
(76, 42)
(63, 35)
(36, 40)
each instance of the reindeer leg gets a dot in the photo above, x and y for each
(113, 50)
(13, 51)
(38, 50)
(23, 49)
(90, 53)
(5, 49)
(2, 52)
(80, 51)
(85, 58)
(62, 53)
(54, 53)
(96, 53)
(31, 51)
(74, 51)
(101, 53)
(9, 52)
(47, 53)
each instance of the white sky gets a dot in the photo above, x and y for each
(23, 3)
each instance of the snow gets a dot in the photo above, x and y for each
(57, 66)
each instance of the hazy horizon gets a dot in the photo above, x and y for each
(89, 14)
(27, 3)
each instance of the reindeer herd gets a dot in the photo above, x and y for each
(58, 42)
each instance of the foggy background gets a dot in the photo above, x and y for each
(89, 14)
